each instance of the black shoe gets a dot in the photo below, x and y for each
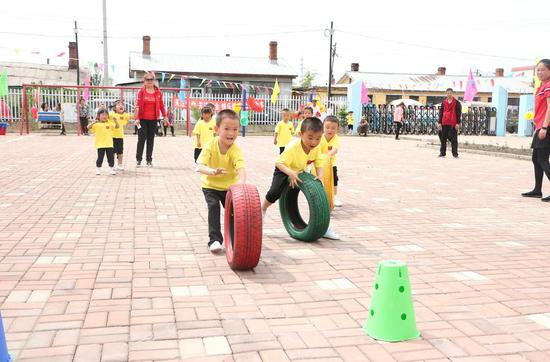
(149, 164)
(455, 156)
(138, 163)
(441, 155)
(533, 194)
(545, 199)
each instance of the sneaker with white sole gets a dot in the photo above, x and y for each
(337, 202)
(196, 168)
(120, 168)
(112, 171)
(330, 234)
(149, 164)
(98, 170)
(215, 247)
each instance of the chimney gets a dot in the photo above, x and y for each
(273, 51)
(441, 71)
(354, 67)
(73, 55)
(146, 45)
(499, 72)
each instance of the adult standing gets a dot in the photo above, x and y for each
(83, 115)
(398, 116)
(448, 123)
(149, 105)
(541, 139)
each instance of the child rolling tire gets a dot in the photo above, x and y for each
(243, 227)
(319, 211)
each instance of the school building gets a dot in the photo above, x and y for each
(210, 74)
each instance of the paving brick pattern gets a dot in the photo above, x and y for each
(115, 268)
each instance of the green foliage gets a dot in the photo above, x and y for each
(307, 80)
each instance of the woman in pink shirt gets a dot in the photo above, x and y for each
(541, 139)
(398, 115)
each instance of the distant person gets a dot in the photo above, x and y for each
(83, 115)
(204, 131)
(398, 116)
(283, 131)
(448, 123)
(350, 120)
(149, 106)
(103, 130)
(121, 117)
(59, 109)
(363, 127)
(307, 112)
(541, 138)
(169, 122)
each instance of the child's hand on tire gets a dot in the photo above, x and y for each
(294, 179)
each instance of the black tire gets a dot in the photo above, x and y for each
(319, 211)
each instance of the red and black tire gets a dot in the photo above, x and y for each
(243, 227)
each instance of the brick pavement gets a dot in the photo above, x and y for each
(115, 268)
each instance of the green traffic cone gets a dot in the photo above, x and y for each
(391, 316)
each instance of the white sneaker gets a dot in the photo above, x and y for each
(112, 171)
(196, 168)
(330, 234)
(215, 247)
(337, 202)
(120, 168)
(98, 170)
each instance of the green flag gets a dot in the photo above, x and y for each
(4, 83)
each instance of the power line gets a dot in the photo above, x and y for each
(433, 48)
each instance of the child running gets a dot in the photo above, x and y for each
(283, 131)
(306, 113)
(330, 143)
(103, 130)
(350, 121)
(204, 130)
(221, 164)
(121, 117)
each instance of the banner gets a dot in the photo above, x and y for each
(471, 88)
(200, 103)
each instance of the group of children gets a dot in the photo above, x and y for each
(221, 162)
(109, 136)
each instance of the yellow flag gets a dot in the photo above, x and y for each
(276, 91)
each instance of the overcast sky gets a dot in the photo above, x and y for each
(389, 36)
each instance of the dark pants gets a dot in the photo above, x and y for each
(281, 150)
(542, 166)
(278, 184)
(146, 133)
(197, 153)
(448, 132)
(110, 156)
(398, 129)
(213, 199)
(84, 125)
(171, 129)
(63, 128)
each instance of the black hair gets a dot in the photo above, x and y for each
(225, 113)
(310, 109)
(211, 106)
(206, 110)
(312, 124)
(332, 119)
(546, 63)
(43, 105)
(350, 112)
(285, 110)
(100, 112)
(449, 89)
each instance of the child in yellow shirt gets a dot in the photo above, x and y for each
(103, 130)
(204, 130)
(330, 143)
(221, 164)
(306, 113)
(350, 121)
(283, 131)
(122, 119)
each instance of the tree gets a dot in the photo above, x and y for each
(307, 80)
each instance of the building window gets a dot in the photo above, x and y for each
(392, 97)
(433, 100)
(513, 101)
(414, 98)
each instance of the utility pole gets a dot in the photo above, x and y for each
(77, 57)
(330, 61)
(105, 51)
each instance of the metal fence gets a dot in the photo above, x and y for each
(422, 120)
(37, 95)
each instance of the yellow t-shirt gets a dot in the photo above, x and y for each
(296, 159)
(284, 132)
(103, 134)
(205, 130)
(350, 119)
(122, 120)
(329, 145)
(231, 162)
(298, 128)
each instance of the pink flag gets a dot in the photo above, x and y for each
(364, 94)
(471, 88)
(86, 93)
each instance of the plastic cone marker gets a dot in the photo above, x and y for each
(4, 356)
(391, 316)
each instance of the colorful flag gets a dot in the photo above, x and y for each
(471, 88)
(182, 87)
(171, 77)
(244, 100)
(276, 91)
(61, 54)
(86, 93)
(364, 94)
(162, 76)
(4, 82)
